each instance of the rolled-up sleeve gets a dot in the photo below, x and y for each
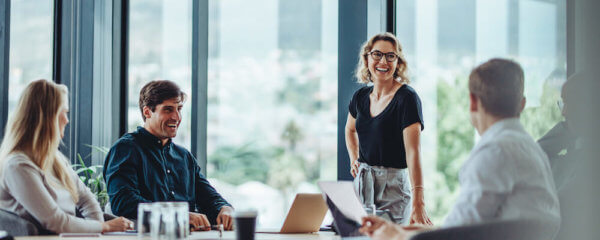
(120, 173)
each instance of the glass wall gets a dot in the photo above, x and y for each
(272, 101)
(444, 40)
(272, 82)
(31, 44)
(160, 49)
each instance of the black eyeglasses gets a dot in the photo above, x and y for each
(377, 55)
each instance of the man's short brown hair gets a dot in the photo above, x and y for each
(498, 83)
(156, 92)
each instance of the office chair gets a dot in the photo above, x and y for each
(497, 230)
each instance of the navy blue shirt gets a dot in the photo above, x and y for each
(138, 168)
(380, 138)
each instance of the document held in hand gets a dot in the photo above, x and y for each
(344, 197)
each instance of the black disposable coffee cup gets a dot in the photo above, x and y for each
(245, 224)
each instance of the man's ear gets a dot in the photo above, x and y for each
(523, 102)
(473, 102)
(147, 112)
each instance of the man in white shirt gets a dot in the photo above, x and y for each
(507, 176)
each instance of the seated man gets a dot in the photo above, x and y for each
(146, 166)
(561, 144)
(576, 175)
(507, 175)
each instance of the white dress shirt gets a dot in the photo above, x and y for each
(506, 177)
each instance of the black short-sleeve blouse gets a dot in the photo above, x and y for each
(380, 138)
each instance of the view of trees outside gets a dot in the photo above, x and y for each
(272, 90)
(443, 41)
(272, 101)
(31, 39)
(272, 83)
(160, 46)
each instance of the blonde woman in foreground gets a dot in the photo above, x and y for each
(36, 180)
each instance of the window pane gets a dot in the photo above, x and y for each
(272, 101)
(444, 40)
(160, 49)
(31, 38)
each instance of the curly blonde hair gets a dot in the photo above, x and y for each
(362, 70)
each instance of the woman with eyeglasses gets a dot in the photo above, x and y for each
(382, 133)
(36, 180)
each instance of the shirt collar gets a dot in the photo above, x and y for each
(151, 139)
(497, 127)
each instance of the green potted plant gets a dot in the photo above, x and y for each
(92, 177)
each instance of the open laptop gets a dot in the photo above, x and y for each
(305, 216)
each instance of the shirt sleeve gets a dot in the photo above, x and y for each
(87, 204)
(353, 106)
(207, 197)
(38, 202)
(411, 111)
(485, 181)
(120, 173)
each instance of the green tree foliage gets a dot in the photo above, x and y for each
(292, 134)
(280, 167)
(239, 164)
(300, 94)
(302, 82)
(455, 138)
(286, 171)
(540, 119)
(455, 133)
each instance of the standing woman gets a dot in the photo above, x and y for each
(36, 181)
(383, 130)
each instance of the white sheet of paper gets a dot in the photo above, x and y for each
(343, 196)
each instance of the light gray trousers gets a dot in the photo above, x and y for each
(387, 188)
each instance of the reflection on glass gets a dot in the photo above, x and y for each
(272, 101)
(444, 40)
(160, 49)
(31, 25)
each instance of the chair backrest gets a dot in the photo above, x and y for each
(14, 225)
(499, 230)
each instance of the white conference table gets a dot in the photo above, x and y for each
(212, 235)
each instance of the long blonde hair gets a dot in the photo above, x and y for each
(33, 129)
(363, 75)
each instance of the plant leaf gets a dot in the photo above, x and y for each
(99, 149)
